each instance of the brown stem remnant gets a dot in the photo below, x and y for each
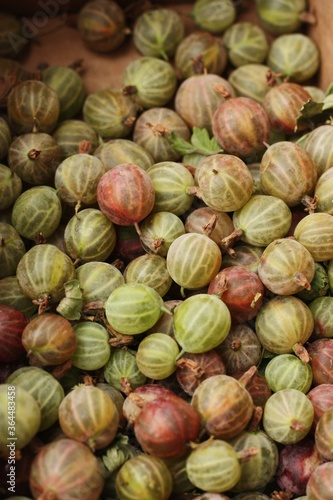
(246, 455)
(254, 423)
(190, 168)
(195, 190)
(157, 243)
(228, 242)
(92, 306)
(198, 65)
(197, 370)
(125, 386)
(296, 425)
(221, 287)
(235, 345)
(272, 78)
(300, 279)
(223, 91)
(34, 154)
(118, 263)
(85, 147)
(77, 208)
(119, 339)
(43, 302)
(137, 400)
(88, 380)
(310, 203)
(281, 495)
(130, 90)
(257, 297)
(158, 130)
(247, 376)
(210, 226)
(302, 353)
(39, 239)
(128, 120)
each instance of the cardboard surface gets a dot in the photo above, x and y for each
(55, 39)
(59, 42)
(322, 34)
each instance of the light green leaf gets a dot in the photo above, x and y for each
(71, 305)
(180, 144)
(313, 113)
(203, 143)
(328, 102)
(200, 142)
(119, 452)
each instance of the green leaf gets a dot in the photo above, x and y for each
(313, 113)
(71, 305)
(328, 102)
(203, 143)
(179, 144)
(119, 452)
(200, 142)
